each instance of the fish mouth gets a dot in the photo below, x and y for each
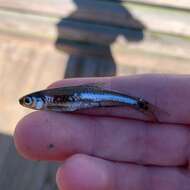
(21, 101)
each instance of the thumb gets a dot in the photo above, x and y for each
(81, 172)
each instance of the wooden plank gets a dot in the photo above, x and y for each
(162, 20)
(110, 12)
(140, 63)
(163, 46)
(50, 28)
(156, 44)
(52, 7)
(184, 4)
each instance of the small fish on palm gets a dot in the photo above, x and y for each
(73, 98)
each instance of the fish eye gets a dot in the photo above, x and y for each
(28, 100)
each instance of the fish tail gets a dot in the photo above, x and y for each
(155, 111)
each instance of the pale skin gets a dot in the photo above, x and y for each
(116, 148)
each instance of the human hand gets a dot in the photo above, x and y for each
(116, 148)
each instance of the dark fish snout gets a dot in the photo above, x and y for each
(21, 101)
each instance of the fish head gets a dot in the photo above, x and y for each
(33, 101)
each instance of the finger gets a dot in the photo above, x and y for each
(91, 174)
(168, 92)
(83, 172)
(52, 136)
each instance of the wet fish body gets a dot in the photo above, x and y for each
(72, 98)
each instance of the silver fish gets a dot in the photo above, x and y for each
(72, 98)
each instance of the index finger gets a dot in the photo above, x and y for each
(170, 93)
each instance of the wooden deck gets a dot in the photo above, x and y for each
(30, 60)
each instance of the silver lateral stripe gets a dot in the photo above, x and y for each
(107, 97)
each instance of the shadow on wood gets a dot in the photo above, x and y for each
(94, 59)
(86, 66)
(18, 173)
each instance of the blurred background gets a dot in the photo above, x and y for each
(48, 40)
